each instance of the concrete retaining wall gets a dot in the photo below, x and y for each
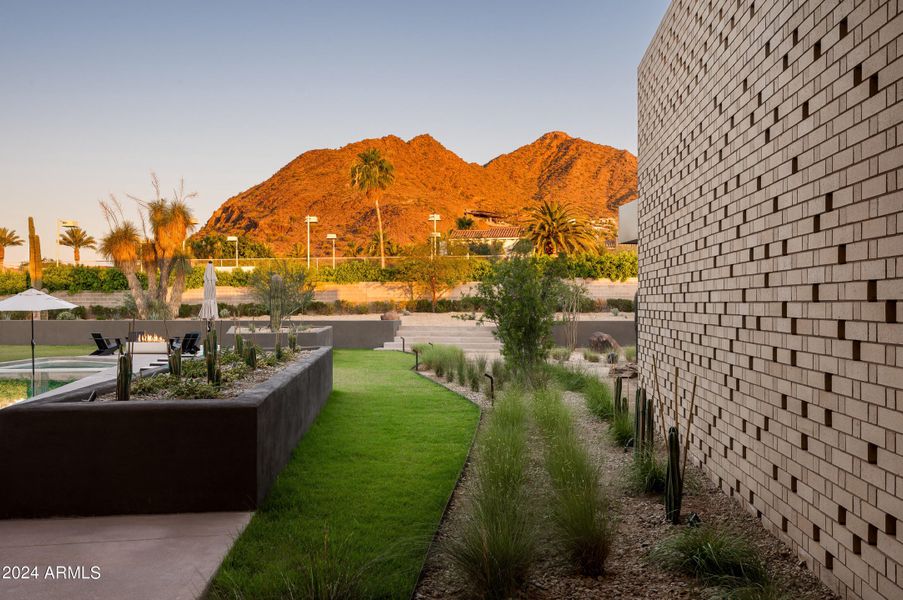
(622, 331)
(74, 458)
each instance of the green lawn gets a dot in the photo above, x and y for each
(365, 488)
(17, 352)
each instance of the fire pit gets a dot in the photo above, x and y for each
(149, 344)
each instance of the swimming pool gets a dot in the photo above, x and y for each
(50, 374)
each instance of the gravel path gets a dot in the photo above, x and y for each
(641, 525)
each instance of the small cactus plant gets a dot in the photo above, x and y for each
(251, 356)
(643, 422)
(277, 350)
(123, 377)
(292, 340)
(211, 355)
(239, 345)
(175, 362)
(673, 479)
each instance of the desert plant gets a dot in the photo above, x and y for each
(211, 351)
(599, 399)
(251, 356)
(239, 345)
(629, 353)
(621, 428)
(175, 363)
(591, 356)
(580, 508)
(646, 473)
(66, 315)
(493, 549)
(560, 354)
(474, 376)
(284, 288)
(716, 555)
(674, 479)
(35, 261)
(643, 422)
(123, 377)
(292, 339)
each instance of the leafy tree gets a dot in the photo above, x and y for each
(8, 238)
(434, 277)
(216, 245)
(372, 174)
(464, 222)
(520, 298)
(77, 238)
(165, 224)
(554, 230)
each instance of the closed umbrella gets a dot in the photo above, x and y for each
(209, 310)
(32, 301)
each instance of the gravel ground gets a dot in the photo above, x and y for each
(641, 525)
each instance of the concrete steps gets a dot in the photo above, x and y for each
(469, 337)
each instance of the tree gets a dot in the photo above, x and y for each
(8, 237)
(354, 249)
(434, 277)
(553, 230)
(372, 174)
(77, 238)
(520, 298)
(379, 245)
(215, 245)
(158, 249)
(464, 222)
(291, 292)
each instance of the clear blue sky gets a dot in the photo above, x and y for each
(95, 95)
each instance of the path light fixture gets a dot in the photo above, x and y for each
(234, 238)
(309, 219)
(435, 218)
(333, 237)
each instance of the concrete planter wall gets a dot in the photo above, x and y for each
(72, 458)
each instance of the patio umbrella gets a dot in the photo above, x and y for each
(209, 310)
(32, 301)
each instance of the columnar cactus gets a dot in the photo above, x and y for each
(123, 377)
(251, 356)
(239, 345)
(292, 340)
(673, 479)
(35, 262)
(211, 355)
(175, 362)
(643, 422)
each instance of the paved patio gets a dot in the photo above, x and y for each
(152, 557)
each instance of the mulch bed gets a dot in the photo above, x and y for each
(629, 573)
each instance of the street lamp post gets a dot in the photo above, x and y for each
(309, 219)
(62, 224)
(333, 237)
(234, 238)
(435, 242)
(434, 248)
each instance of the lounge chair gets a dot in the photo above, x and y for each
(189, 343)
(104, 346)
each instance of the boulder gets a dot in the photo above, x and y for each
(603, 343)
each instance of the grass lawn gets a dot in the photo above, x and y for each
(17, 352)
(364, 490)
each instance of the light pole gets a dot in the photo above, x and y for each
(234, 238)
(434, 249)
(435, 242)
(62, 224)
(333, 237)
(309, 219)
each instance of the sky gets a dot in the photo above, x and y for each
(94, 96)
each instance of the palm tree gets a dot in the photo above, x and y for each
(77, 238)
(8, 238)
(553, 230)
(372, 174)
(354, 249)
(121, 245)
(464, 222)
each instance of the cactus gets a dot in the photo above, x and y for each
(673, 479)
(35, 263)
(217, 376)
(642, 422)
(175, 362)
(251, 356)
(277, 302)
(211, 355)
(292, 340)
(123, 377)
(239, 345)
(277, 350)
(619, 387)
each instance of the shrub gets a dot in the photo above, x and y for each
(622, 304)
(716, 555)
(496, 544)
(561, 354)
(620, 428)
(441, 359)
(66, 315)
(11, 282)
(646, 473)
(580, 509)
(591, 356)
(630, 353)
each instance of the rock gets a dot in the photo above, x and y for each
(604, 343)
(390, 316)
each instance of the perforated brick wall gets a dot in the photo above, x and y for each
(771, 265)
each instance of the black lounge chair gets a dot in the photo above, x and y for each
(104, 346)
(189, 343)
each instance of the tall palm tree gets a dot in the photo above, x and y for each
(554, 230)
(8, 238)
(372, 174)
(77, 238)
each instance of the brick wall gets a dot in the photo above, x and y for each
(771, 265)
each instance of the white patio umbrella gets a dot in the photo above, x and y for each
(32, 301)
(209, 309)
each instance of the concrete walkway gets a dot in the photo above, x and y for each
(152, 557)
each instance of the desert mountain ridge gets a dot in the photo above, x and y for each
(592, 178)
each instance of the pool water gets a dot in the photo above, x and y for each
(50, 373)
(13, 389)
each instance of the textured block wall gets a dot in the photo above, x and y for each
(771, 265)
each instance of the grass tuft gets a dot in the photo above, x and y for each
(645, 474)
(719, 557)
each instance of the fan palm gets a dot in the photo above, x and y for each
(8, 238)
(121, 245)
(554, 230)
(77, 238)
(372, 174)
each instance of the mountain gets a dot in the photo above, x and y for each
(592, 178)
